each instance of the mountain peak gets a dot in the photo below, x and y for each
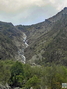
(64, 11)
(65, 8)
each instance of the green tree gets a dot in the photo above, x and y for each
(27, 71)
(17, 74)
(4, 73)
(33, 82)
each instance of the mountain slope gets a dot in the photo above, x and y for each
(48, 40)
(11, 40)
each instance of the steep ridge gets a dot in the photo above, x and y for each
(7, 47)
(47, 40)
(12, 41)
(36, 30)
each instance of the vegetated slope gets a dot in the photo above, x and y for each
(48, 40)
(9, 36)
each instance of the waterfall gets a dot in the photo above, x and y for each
(21, 51)
(25, 40)
(26, 45)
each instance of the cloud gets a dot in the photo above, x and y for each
(29, 11)
(59, 4)
(15, 5)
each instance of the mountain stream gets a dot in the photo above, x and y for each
(21, 51)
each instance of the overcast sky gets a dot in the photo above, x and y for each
(27, 12)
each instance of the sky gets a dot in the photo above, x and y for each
(27, 12)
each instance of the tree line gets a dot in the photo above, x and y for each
(26, 76)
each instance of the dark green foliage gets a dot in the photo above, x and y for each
(17, 74)
(17, 69)
(38, 77)
(25, 76)
(5, 71)
(27, 71)
(33, 82)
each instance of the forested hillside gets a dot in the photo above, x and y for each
(16, 74)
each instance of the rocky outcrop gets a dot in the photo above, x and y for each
(4, 87)
(7, 87)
